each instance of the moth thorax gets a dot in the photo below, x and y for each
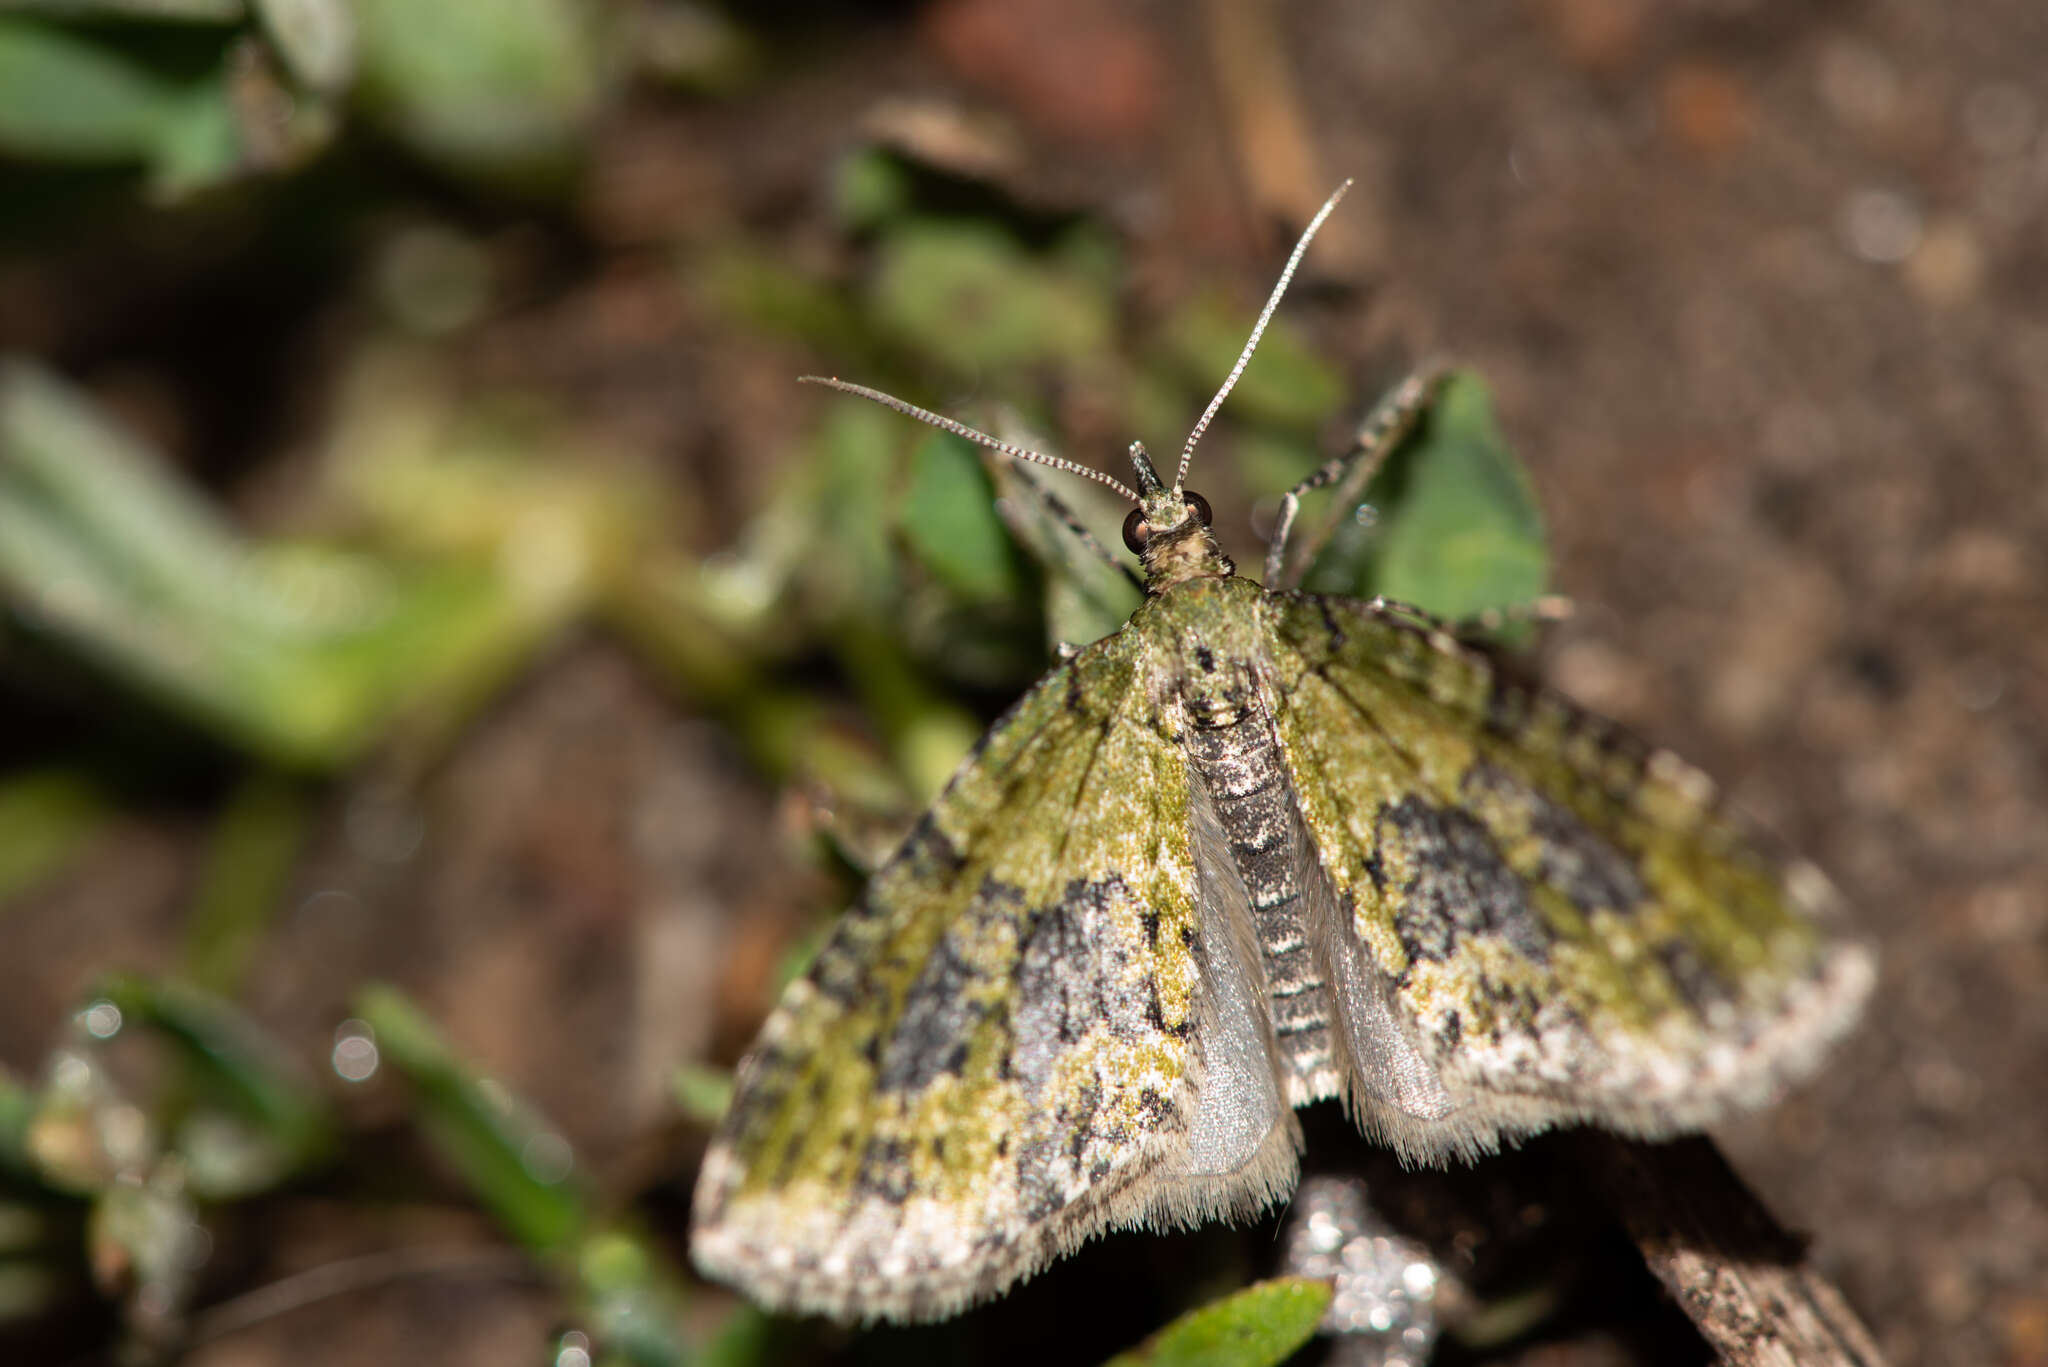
(1185, 552)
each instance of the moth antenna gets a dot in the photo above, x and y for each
(1059, 509)
(961, 429)
(1244, 357)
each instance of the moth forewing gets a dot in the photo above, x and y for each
(1569, 929)
(1251, 850)
(1025, 1032)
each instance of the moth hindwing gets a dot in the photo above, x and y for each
(1256, 848)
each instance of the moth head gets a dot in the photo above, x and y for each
(1169, 527)
(1160, 509)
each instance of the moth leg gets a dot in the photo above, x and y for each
(1477, 629)
(1389, 423)
(1549, 607)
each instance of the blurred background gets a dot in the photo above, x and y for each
(450, 672)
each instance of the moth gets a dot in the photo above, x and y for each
(1255, 849)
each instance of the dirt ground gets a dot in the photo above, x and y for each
(1762, 291)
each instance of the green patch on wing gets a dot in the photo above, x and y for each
(1045, 782)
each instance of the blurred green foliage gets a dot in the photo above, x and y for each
(303, 653)
(445, 538)
(245, 1116)
(517, 1167)
(196, 93)
(47, 815)
(65, 98)
(255, 845)
(503, 89)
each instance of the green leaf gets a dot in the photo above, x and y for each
(499, 89)
(249, 863)
(47, 816)
(305, 655)
(751, 1338)
(17, 1112)
(198, 140)
(967, 298)
(516, 1165)
(871, 187)
(1457, 532)
(1286, 384)
(630, 1292)
(1086, 596)
(927, 736)
(965, 615)
(64, 98)
(257, 1119)
(949, 521)
(317, 39)
(71, 469)
(1256, 1327)
(849, 568)
(703, 1093)
(761, 291)
(184, 11)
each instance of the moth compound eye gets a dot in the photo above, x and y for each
(1136, 533)
(1199, 506)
